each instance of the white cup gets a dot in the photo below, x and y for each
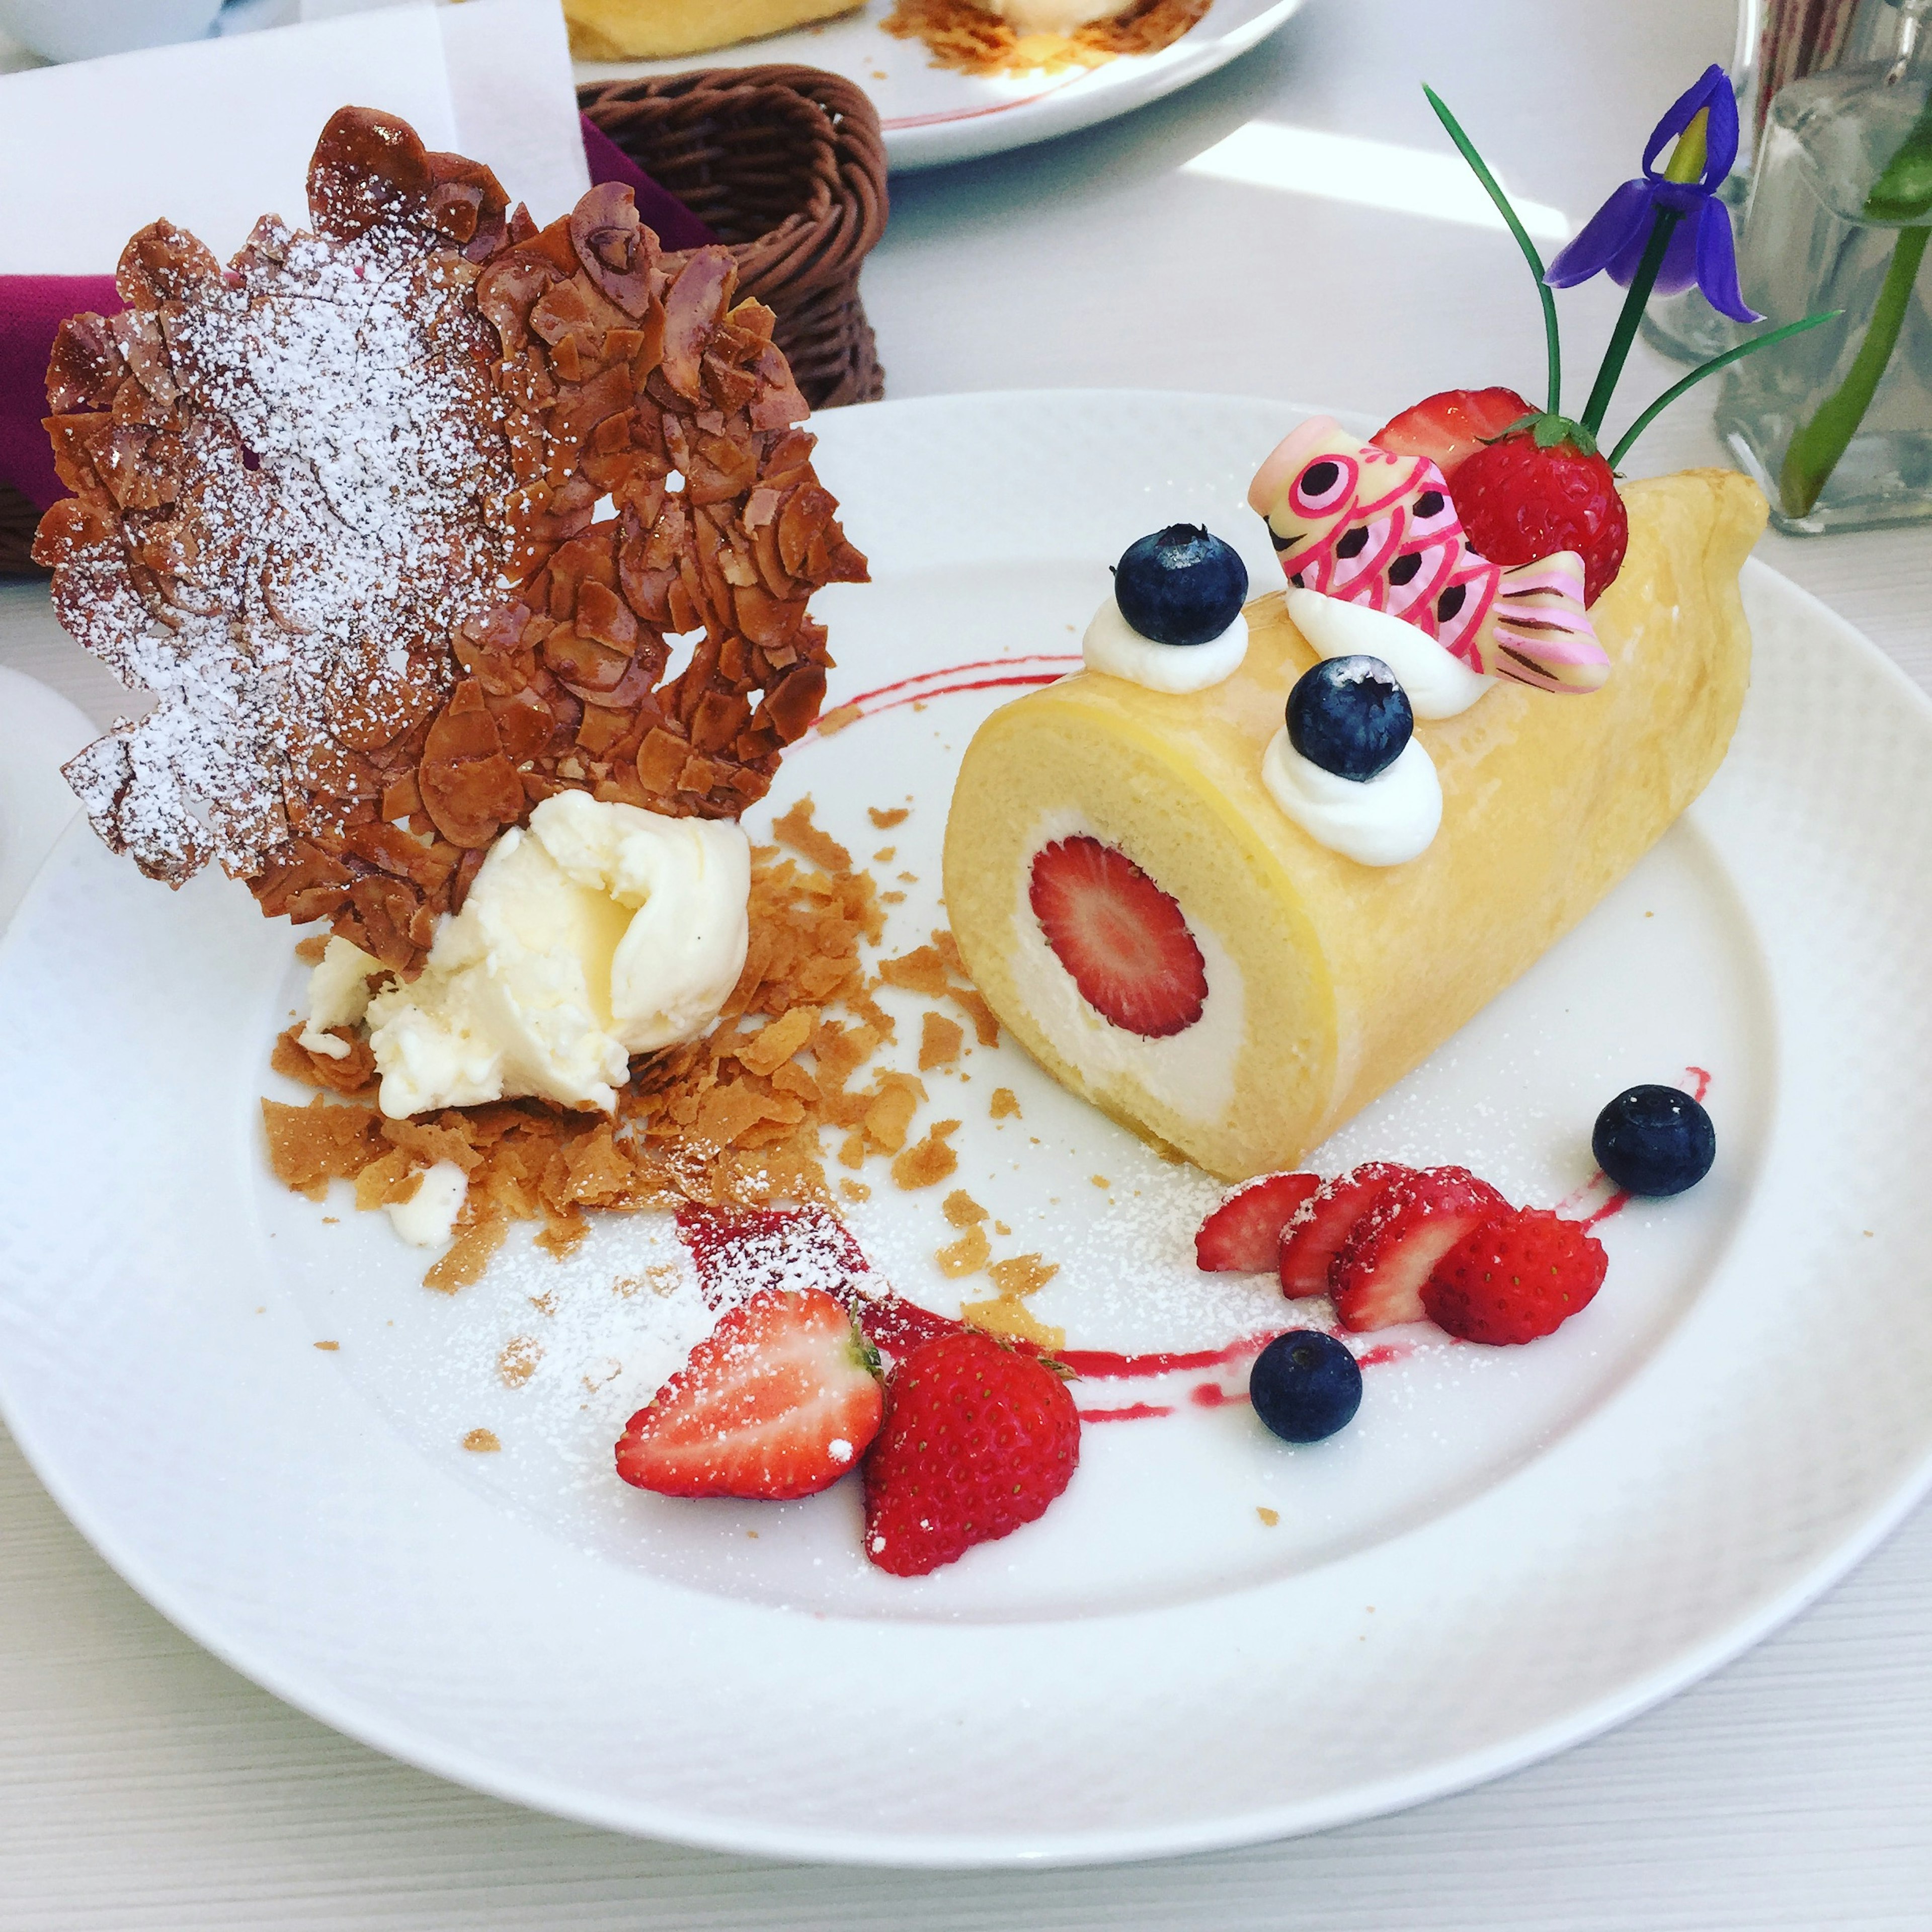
(66, 30)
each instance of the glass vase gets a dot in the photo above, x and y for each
(1836, 424)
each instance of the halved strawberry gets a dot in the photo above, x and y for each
(1122, 938)
(1451, 425)
(1322, 1223)
(780, 1399)
(1514, 1276)
(1377, 1278)
(1244, 1233)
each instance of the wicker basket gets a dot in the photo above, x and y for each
(786, 164)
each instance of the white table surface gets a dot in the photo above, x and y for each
(144, 1786)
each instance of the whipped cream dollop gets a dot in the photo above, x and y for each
(598, 931)
(1112, 645)
(1439, 684)
(1384, 821)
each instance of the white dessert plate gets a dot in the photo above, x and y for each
(932, 115)
(40, 731)
(1213, 1638)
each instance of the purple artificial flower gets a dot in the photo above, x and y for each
(1613, 240)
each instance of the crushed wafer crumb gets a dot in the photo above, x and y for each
(854, 1190)
(518, 1362)
(970, 39)
(885, 820)
(893, 898)
(928, 1161)
(939, 1040)
(1013, 1318)
(330, 1347)
(1001, 1227)
(885, 855)
(309, 951)
(1099, 1180)
(921, 970)
(962, 1209)
(1006, 1104)
(830, 721)
(468, 1256)
(481, 1442)
(985, 1027)
(1022, 1274)
(1269, 1517)
(795, 828)
(732, 1120)
(967, 1255)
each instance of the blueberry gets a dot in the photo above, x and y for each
(1305, 1385)
(1180, 585)
(1350, 716)
(1654, 1141)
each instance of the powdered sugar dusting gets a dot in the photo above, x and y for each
(337, 464)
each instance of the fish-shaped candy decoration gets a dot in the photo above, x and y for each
(1352, 521)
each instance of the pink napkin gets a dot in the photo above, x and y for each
(32, 308)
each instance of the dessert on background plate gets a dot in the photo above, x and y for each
(1012, 37)
(470, 562)
(605, 30)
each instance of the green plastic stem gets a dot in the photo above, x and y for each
(1493, 189)
(1641, 283)
(1711, 368)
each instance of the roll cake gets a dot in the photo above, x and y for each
(1325, 980)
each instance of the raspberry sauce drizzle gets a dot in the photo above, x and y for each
(953, 679)
(774, 1247)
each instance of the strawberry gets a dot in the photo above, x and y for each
(1514, 1276)
(780, 1399)
(1321, 1224)
(977, 1440)
(1527, 497)
(1377, 1279)
(1122, 938)
(1448, 428)
(1244, 1233)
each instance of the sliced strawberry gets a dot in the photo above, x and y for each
(781, 1399)
(1378, 1277)
(1452, 425)
(1122, 938)
(1310, 1241)
(1244, 1233)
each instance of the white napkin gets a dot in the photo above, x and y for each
(215, 133)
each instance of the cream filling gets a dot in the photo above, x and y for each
(1112, 645)
(1384, 821)
(1191, 1072)
(1439, 684)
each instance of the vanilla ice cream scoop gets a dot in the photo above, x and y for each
(1050, 16)
(598, 931)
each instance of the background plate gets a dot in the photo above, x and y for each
(931, 114)
(1507, 1551)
